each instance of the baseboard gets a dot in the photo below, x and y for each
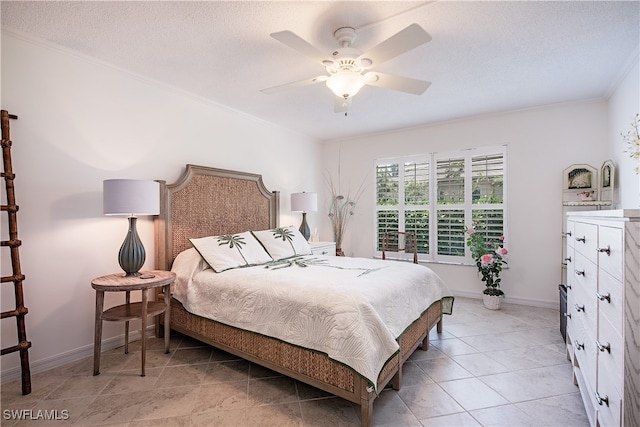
(511, 300)
(15, 373)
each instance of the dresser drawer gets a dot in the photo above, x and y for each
(569, 260)
(610, 354)
(610, 404)
(570, 234)
(585, 238)
(610, 250)
(585, 274)
(584, 349)
(610, 300)
(585, 310)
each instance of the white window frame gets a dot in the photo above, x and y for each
(468, 207)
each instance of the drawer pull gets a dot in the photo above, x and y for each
(582, 239)
(568, 259)
(579, 307)
(578, 345)
(568, 286)
(567, 315)
(579, 272)
(602, 400)
(568, 233)
(606, 250)
(602, 348)
(604, 297)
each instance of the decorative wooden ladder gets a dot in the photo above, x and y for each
(14, 244)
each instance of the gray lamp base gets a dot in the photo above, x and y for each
(304, 227)
(132, 254)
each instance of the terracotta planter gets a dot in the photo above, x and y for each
(492, 302)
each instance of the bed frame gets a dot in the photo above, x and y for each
(207, 202)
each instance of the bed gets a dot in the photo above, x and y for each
(212, 202)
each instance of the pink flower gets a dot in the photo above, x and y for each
(486, 259)
(470, 231)
(502, 237)
(502, 251)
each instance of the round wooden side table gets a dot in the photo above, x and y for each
(146, 281)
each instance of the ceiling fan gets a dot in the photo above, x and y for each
(348, 68)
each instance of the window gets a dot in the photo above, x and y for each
(438, 196)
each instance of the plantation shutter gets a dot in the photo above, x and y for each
(450, 223)
(416, 200)
(488, 194)
(387, 205)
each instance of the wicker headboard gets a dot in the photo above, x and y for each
(209, 202)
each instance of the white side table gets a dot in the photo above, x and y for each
(323, 248)
(129, 311)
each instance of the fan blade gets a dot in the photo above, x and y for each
(403, 84)
(299, 83)
(297, 43)
(403, 41)
(341, 105)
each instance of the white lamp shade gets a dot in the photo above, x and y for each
(130, 197)
(304, 202)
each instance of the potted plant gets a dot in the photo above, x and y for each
(489, 257)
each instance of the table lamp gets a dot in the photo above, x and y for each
(304, 202)
(131, 197)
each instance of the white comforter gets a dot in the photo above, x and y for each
(352, 309)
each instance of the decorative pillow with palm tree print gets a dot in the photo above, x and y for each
(231, 251)
(283, 242)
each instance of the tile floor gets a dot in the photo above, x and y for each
(488, 368)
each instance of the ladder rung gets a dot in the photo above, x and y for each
(14, 278)
(20, 311)
(10, 208)
(6, 143)
(7, 175)
(22, 345)
(11, 243)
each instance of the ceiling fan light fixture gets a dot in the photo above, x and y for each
(345, 84)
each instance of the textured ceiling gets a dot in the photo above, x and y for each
(485, 57)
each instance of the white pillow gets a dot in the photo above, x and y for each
(231, 251)
(187, 264)
(283, 242)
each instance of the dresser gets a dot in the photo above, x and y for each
(603, 313)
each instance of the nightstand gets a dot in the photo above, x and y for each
(323, 248)
(145, 282)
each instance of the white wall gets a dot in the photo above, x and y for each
(624, 104)
(541, 144)
(81, 122)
